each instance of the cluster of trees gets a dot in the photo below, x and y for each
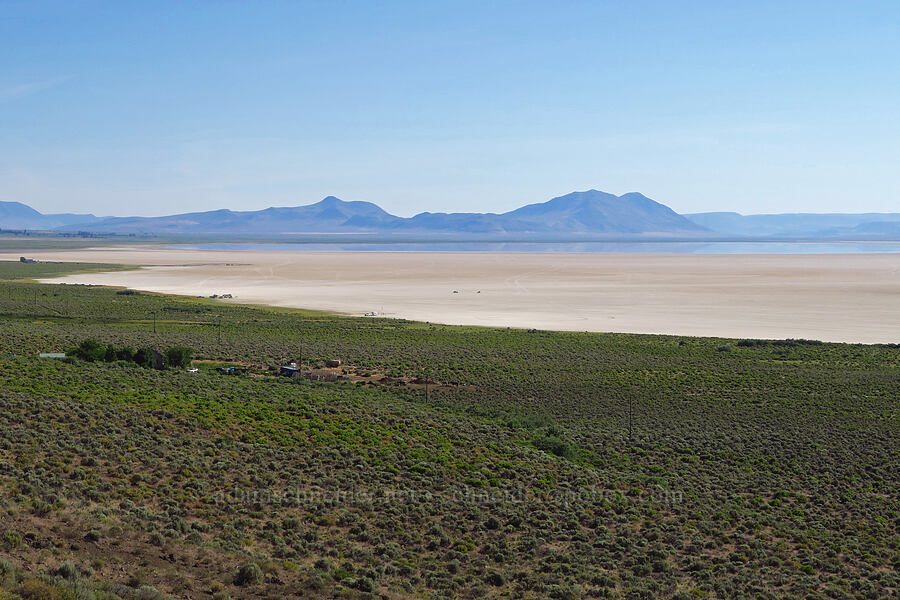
(93, 351)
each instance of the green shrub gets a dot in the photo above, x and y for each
(249, 574)
(364, 584)
(6, 568)
(67, 570)
(554, 445)
(10, 540)
(148, 592)
(34, 589)
(40, 508)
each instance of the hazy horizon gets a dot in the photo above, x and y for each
(425, 209)
(159, 109)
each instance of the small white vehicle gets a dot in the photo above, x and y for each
(371, 314)
(193, 370)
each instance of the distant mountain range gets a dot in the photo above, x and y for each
(590, 212)
(579, 214)
(801, 225)
(327, 216)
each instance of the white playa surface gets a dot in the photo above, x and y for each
(846, 297)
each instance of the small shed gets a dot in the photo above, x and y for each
(289, 371)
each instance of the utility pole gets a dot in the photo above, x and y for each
(426, 385)
(153, 312)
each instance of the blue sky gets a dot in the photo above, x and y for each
(153, 108)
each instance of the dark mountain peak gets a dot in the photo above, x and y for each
(15, 215)
(595, 197)
(637, 197)
(586, 200)
(582, 197)
(335, 205)
(326, 203)
(333, 213)
(18, 210)
(596, 211)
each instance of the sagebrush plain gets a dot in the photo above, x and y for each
(457, 462)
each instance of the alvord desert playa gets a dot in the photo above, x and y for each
(848, 298)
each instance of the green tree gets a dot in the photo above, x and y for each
(144, 357)
(90, 350)
(179, 356)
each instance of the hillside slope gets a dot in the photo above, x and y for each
(15, 215)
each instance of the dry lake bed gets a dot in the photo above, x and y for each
(834, 297)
